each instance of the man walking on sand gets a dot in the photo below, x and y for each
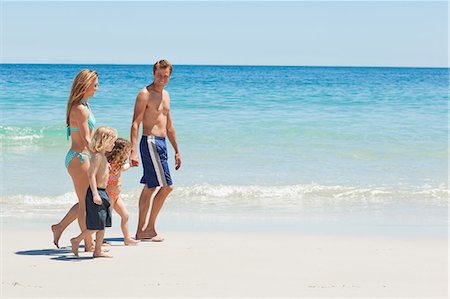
(152, 108)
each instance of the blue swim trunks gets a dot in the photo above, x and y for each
(98, 216)
(154, 161)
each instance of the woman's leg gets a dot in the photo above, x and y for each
(78, 172)
(60, 227)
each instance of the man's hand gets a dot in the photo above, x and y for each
(177, 161)
(134, 160)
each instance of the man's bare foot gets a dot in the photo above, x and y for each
(157, 239)
(56, 235)
(75, 246)
(143, 236)
(101, 254)
(147, 236)
(129, 241)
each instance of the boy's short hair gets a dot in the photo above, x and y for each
(162, 64)
(102, 138)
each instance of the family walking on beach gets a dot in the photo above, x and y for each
(97, 158)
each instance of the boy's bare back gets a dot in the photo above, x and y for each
(101, 177)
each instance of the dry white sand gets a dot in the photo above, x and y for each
(227, 265)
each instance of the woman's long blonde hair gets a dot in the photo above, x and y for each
(80, 85)
(103, 137)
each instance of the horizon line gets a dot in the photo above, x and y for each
(234, 65)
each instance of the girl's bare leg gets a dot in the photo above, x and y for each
(120, 208)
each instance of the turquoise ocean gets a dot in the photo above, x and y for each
(262, 147)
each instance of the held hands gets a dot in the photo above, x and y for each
(177, 161)
(97, 199)
(134, 160)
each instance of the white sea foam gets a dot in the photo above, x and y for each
(25, 136)
(260, 197)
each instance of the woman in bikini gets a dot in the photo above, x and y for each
(80, 123)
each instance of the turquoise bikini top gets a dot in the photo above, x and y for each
(91, 120)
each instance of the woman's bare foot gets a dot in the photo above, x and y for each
(129, 241)
(75, 246)
(56, 235)
(101, 254)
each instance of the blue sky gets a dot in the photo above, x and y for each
(352, 33)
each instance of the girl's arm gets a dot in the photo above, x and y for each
(92, 172)
(126, 166)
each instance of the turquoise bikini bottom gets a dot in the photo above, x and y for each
(71, 155)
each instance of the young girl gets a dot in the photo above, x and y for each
(98, 212)
(118, 158)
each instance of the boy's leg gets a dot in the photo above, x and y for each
(76, 241)
(98, 244)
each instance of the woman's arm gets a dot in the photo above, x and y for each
(80, 115)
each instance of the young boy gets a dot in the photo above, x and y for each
(98, 211)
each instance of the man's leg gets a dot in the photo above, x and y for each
(158, 202)
(144, 206)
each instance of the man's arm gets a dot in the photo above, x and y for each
(171, 134)
(139, 109)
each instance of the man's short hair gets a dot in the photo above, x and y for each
(162, 64)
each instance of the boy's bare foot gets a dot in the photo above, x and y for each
(92, 248)
(129, 241)
(56, 235)
(75, 246)
(101, 254)
(89, 248)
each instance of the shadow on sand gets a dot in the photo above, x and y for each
(61, 254)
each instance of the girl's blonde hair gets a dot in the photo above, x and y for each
(103, 137)
(119, 154)
(80, 84)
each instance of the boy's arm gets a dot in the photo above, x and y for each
(139, 109)
(92, 172)
(171, 134)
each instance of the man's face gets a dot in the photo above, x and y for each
(162, 76)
